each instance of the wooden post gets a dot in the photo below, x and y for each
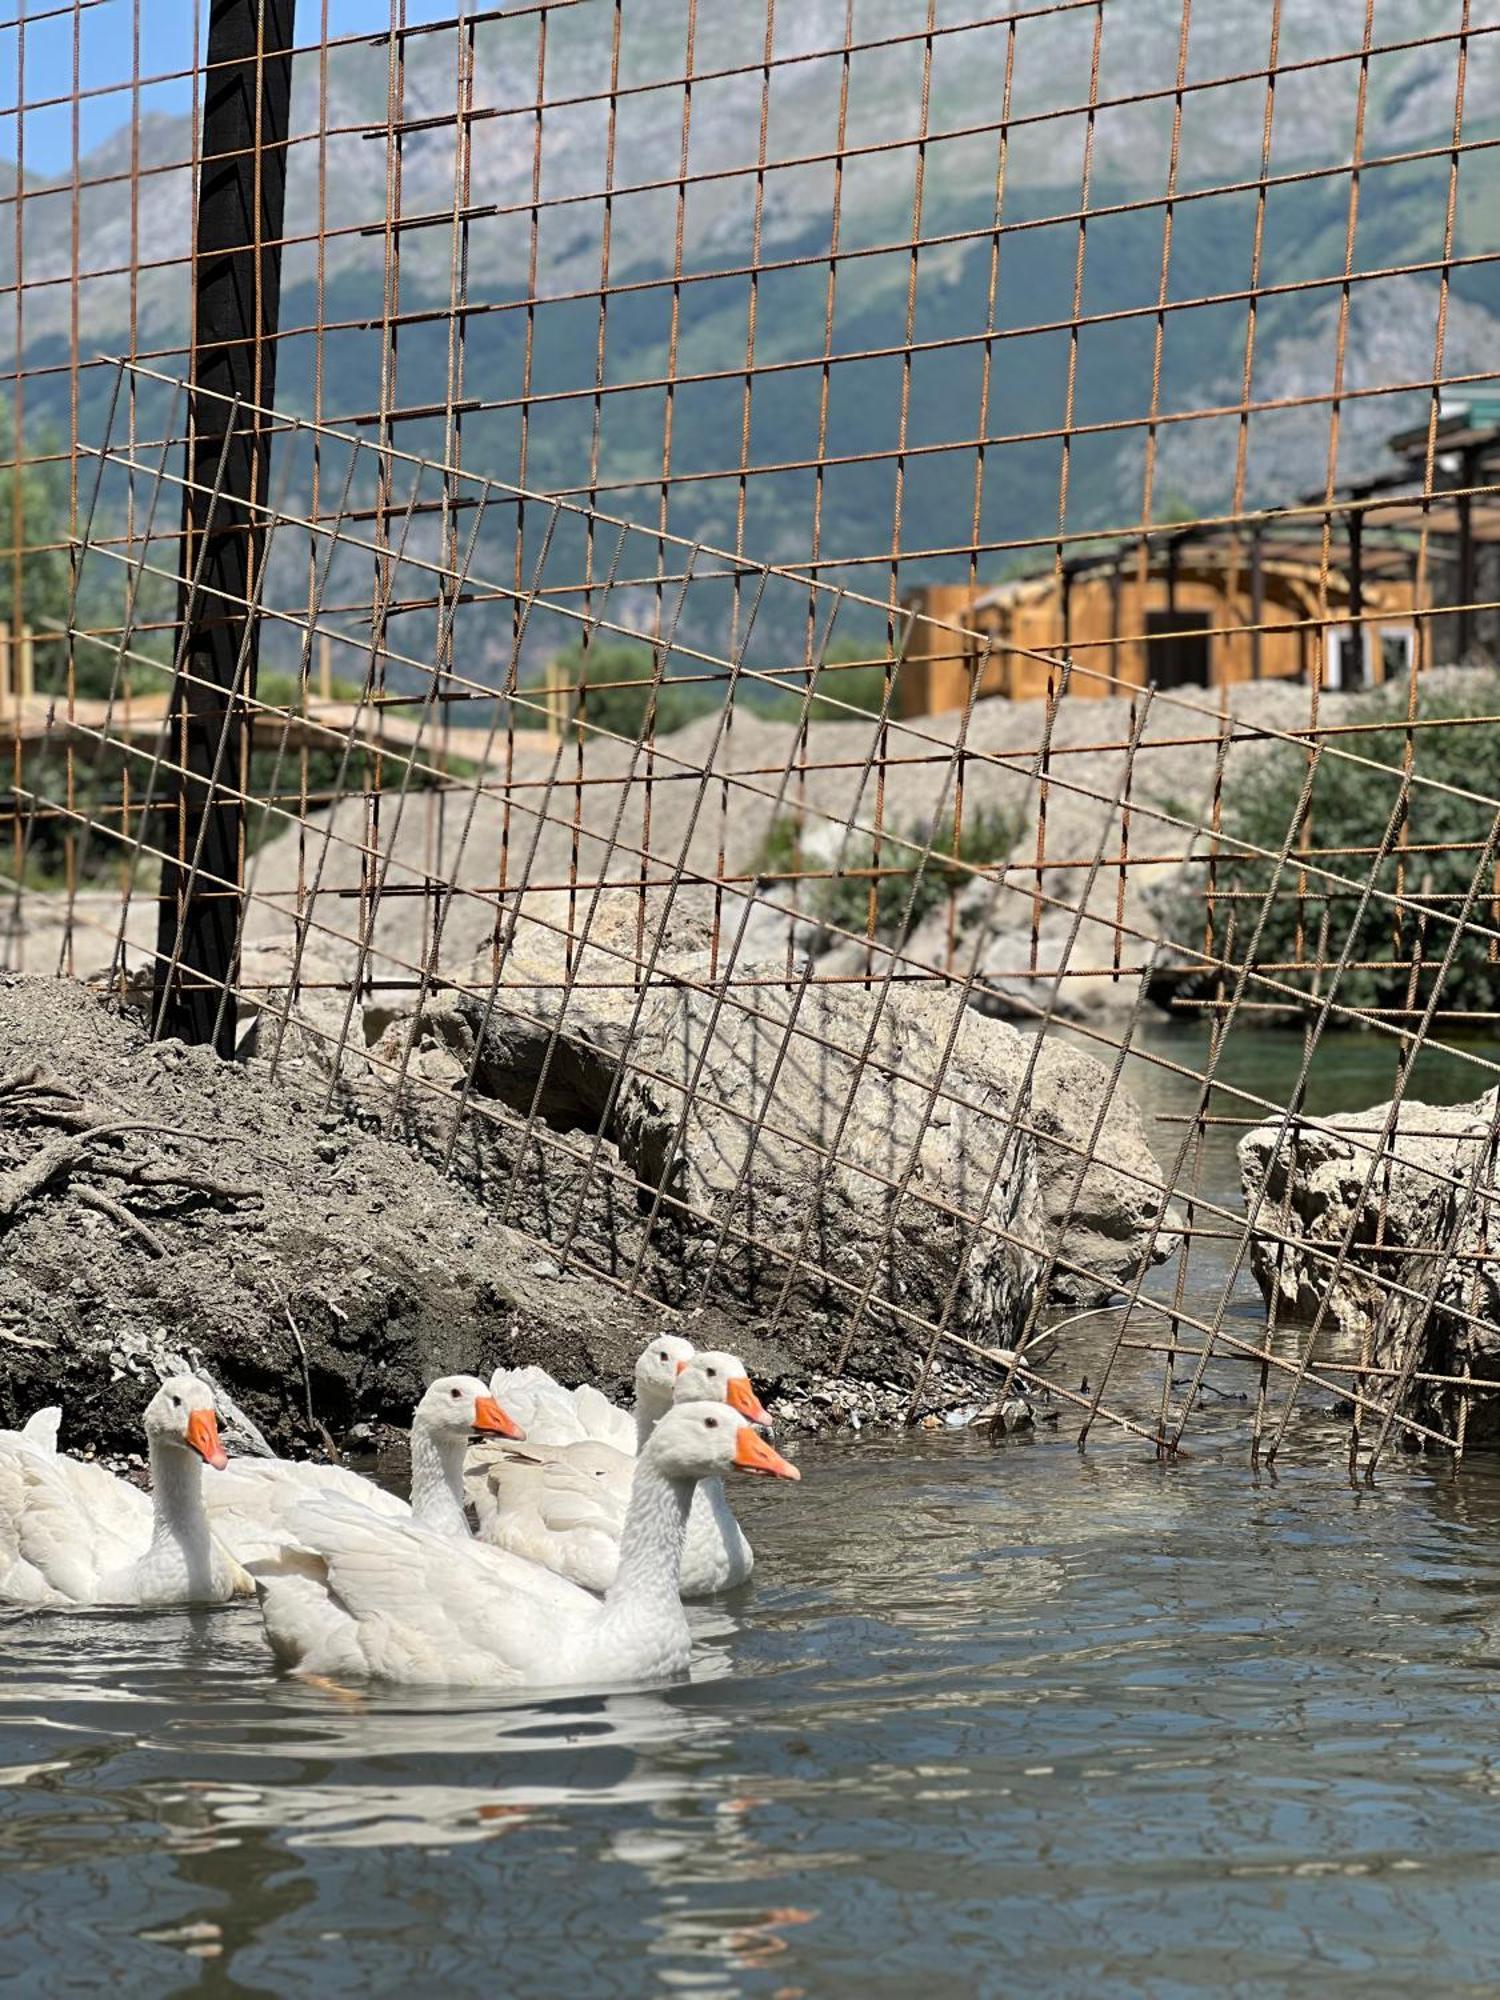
(237, 289)
(934, 674)
(554, 701)
(1257, 601)
(25, 673)
(1466, 591)
(4, 663)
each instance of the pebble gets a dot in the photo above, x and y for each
(842, 1402)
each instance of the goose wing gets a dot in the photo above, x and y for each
(543, 1408)
(74, 1522)
(253, 1502)
(553, 1417)
(21, 1582)
(564, 1510)
(605, 1422)
(40, 1430)
(429, 1610)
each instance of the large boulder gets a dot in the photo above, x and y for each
(904, 1147)
(1102, 1196)
(1417, 1204)
(816, 1142)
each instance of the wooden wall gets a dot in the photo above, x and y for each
(1100, 622)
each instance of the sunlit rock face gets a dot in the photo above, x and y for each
(1384, 1219)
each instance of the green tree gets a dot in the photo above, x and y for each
(35, 578)
(851, 675)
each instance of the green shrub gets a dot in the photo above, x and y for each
(618, 688)
(851, 676)
(842, 901)
(1351, 807)
(617, 679)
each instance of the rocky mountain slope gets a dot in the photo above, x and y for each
(551, 347)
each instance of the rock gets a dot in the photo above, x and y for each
(827, 1132)
(1100, 1224)
(1406, 1215)
(732, 1106)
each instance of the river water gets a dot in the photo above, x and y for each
(991, 1719)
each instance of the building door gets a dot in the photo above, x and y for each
(1344, 658)
(1177, 648)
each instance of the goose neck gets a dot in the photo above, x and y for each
(437, 1480)
(647, 1582)
(650, 1408)
(178, 1513)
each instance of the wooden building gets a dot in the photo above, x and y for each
(1405, 576)
(1190, 613)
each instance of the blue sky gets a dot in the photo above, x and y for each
(105, 35)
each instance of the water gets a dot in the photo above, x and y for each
(991, 1719)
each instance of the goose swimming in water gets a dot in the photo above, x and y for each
(363, 1594)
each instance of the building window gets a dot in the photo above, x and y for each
(1177, 648)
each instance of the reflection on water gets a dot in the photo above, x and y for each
(990, 1716)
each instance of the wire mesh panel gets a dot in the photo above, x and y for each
(875, 630)
(731, 1013)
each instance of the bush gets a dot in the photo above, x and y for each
(617, 690)
(1350, 807)
(843, 900)
(852, 676)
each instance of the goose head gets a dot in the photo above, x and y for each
(458, 1405)
(181, 1416)
(712, 1376)
(706, 1440)
(656, 1371)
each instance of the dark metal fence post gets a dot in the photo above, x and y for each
(237, 286)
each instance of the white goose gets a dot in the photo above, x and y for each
(431, 1611)
(253, 1504)
(565, 1508)
(71, 1533)
(554, 1416)
(40, 1431)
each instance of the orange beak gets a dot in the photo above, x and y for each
(743, 1398)
(679, 1368)
(488, 1416)
(753, 1454)
(203, 1436)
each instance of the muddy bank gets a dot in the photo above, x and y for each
(157, 1203)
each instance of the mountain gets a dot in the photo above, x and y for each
(1400, 223)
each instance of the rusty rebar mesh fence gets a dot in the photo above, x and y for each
(862, 682)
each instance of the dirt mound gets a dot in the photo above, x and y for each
(156, 1201)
